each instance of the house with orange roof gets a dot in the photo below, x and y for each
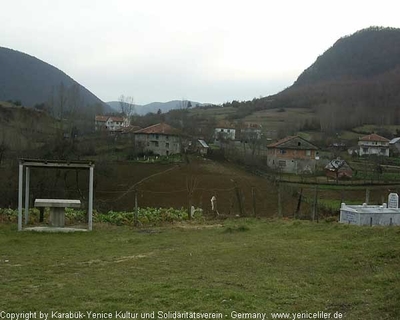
(373, 144)
(292, 155)
(160, 138)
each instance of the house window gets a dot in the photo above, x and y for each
(282, 163)
(365, 150)
(228, 130)
(282, 151)
(167, 145)
(383, 150)
(308, 153)
(157, 136)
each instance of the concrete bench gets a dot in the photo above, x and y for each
(57, 209)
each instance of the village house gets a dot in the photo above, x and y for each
(338, 169)
(161, 139)
(249, 131)
(394, 146)
(224, 132)
(292, 155)
(201, 147)
(111, 124)
(373, 144)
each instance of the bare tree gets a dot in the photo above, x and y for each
(57, 102)
(61, 100)
(127, 105)
(184, 104)
(75, 102)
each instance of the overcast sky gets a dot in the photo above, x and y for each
(206, 51)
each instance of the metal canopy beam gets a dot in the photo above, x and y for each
(55, 164)
(59, 164)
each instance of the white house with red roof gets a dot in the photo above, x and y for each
(373, 144)
(223, 132)
(110, 123)
(160, 138)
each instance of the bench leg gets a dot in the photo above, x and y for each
(57, 217)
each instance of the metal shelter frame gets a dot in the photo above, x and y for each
(55, 164)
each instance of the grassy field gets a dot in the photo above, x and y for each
(243, 265)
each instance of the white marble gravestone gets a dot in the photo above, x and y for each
(393, 201)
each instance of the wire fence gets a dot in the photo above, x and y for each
(238, 198)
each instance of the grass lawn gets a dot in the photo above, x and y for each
(242, 265)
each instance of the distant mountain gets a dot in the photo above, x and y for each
(29, 80)
(155, 106)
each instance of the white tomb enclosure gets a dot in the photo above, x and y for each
(369, 215)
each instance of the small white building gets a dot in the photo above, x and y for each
(369, 215)
(224, 133)
(110, 123)
(373, 144)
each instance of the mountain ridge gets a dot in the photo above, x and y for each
(353, 83)
(363, 54)
(31, 81)
(153, 107)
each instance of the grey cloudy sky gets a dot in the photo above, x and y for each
(207, 51)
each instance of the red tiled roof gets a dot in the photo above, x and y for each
(251, 125)
(279, 142)
(159, 128)
(293, 142)
(374, 137)
(105, 118)
(116, 119)
(101, 118)
(224, 124)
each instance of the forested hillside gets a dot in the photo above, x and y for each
(354, 82)
(28, 81)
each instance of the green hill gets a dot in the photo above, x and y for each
(30, 81)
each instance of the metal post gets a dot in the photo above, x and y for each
(279, 201)
(20, 187)
(27, 177)
(315, 205)
(135, 219)
(90, 198)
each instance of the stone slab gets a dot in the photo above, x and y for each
(57, 203)
(54, 229)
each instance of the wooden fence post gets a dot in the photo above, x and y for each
(135, 218)
(315, 206)
(254, 201)
(279, 201)
(296, 214)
